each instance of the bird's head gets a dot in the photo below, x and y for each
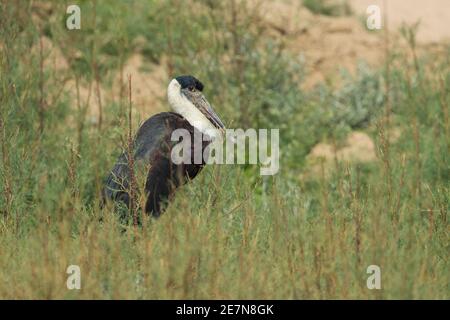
(185, 94)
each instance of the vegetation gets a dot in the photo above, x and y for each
(230, 233)
(328, 7)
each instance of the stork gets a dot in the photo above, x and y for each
(153, 146)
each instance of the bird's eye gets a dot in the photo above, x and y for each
(191, 88)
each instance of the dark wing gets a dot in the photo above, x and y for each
(152, 149)
(148, 139)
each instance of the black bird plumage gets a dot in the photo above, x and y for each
(152, 151)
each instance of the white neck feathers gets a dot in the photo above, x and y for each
(181, 105)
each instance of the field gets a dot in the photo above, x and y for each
(364, 153)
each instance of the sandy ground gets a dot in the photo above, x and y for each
(325, 44)
(328, 44)
(434, 16)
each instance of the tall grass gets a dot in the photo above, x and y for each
(226, 234)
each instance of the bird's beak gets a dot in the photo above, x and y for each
(205, 107)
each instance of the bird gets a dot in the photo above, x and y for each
(153, 145)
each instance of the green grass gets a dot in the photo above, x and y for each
(328, 7)
(230, 233)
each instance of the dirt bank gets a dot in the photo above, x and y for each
(434, 16)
